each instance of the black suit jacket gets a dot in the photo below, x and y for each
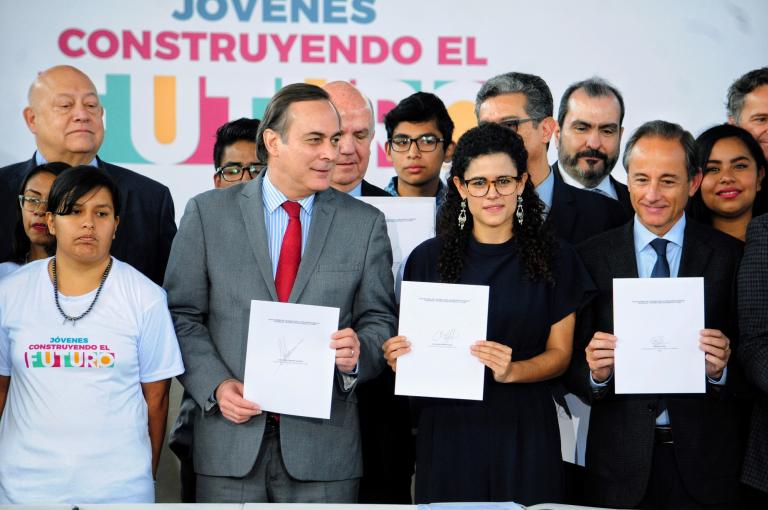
(753, 352)
(369, 190)
(8, 215)
(623, 196)
(706, 427)
(147, 221)
(578, 215)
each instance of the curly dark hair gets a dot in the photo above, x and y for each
(535, 238)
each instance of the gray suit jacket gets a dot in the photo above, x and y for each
(219, 262)
(753, 351)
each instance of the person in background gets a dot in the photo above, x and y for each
(67, 119)
(747, 105)
(733, 167)
(419, 141)
(87, 353)
(31, 240)
(357, 130)
(234, 153)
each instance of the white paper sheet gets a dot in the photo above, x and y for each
(657, 323)
(410, 222)
(288, 364)
(442, 321)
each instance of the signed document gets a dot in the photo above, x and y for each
(289, 365)
(657, 323)
(410, 221)
(442, 321)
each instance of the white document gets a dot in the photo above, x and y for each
(410, 221)
(289, 364)
(442, 321)
(657, 323)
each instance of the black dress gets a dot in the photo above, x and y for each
(507, 446)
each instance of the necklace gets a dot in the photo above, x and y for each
(68, 318)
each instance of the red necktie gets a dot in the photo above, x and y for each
(290, 252)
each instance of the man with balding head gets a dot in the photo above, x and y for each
(66, 117)
(357, 128)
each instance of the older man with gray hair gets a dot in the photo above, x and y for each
(357, 130)
(748, 105)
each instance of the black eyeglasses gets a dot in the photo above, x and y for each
(514, 124)
(504, 184)
(425, 143)
(234, 173)
(33, 204)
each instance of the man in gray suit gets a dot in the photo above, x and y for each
(242, 454)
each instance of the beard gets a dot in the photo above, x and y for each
(594, 173)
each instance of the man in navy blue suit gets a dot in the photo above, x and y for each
(66, 118)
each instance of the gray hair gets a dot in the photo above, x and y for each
(276, 113)
(741, 87)
(593, 87)
(667, 131)
(538, 104)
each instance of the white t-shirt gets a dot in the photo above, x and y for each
(74, 429)
(7, 268)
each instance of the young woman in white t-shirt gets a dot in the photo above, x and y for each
(31, 239)
(87, 351)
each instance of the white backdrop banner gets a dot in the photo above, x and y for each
(170, 72)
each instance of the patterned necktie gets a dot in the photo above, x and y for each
(661, 268)
(290, 252)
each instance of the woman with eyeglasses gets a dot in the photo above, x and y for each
(31, 239)
(731, 191)
(87, 351)
(491, 231)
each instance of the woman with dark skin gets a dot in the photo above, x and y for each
(731, 191)
(491, 231)
(31, 240)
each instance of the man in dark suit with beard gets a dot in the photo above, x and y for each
(677, 450)
(66, 117)
(589, 133)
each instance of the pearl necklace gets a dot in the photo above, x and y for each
(68, 318)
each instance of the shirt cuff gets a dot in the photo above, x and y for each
(721, 381)
(599, 385)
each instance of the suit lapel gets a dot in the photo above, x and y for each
(696, 250)
(621, 257)
(252, 208)
(322, 217)
(125, 192)
(562, 213)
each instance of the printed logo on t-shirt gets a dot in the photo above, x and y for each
(69, 352)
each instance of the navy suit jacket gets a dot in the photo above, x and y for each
(578, 215)
(147, 218)
(707, 428)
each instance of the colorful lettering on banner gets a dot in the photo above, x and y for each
(262, 40)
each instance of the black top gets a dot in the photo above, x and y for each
(507, 446)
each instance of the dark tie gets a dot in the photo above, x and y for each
(661, 268)
(290, 252)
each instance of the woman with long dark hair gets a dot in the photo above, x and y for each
(31, 239)
(731, 192)
(491, 231)
(87, 351)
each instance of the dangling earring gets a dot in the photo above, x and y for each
(520, 213)
(463, 214)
